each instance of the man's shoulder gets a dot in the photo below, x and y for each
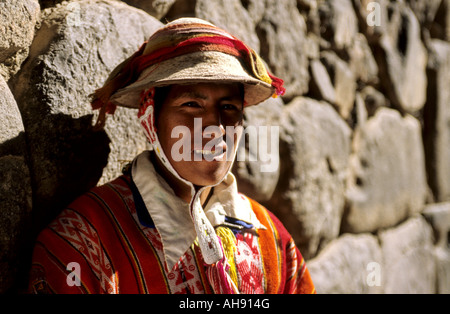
(268, 218)
(258, 208)
(91, 210)
(100, 198)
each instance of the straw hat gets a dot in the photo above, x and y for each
(209, 66)
(187, 51)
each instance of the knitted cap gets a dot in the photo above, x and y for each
(186, 51)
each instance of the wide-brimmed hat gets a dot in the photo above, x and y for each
(187, 51)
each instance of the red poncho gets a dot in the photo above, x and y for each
(107, 242)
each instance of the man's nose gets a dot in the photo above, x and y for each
(213, 131)
(213, 124)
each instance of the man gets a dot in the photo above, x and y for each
(174, 222)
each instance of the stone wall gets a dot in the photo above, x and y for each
(364, 128)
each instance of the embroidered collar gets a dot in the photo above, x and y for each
(170, 215)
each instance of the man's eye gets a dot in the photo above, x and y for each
(191, 104)
(229, 107)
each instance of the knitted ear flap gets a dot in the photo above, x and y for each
(146, 114)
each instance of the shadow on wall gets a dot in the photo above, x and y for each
(64, 159)
(67, 158)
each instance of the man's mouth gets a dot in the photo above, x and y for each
(209, 155)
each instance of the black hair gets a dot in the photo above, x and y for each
(159, 98)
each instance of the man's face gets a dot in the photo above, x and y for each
(192, 129)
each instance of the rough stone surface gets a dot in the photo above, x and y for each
(362, 62)
(334, 80)
(409, 265)
(442, 270)
(77, 46)
(18, 19)
(343, 80)
(434, 16)
(338, 23)
(437, 119)
(231, 16)
(11, 127)
(156, 8)
(284, 45)
(15, 215)
(15, 191)
(373, 99)
(309, 198)
(321, 86)
(349, 265)
(257, 165)
(438, 215)
(402, 59)
(387, 180)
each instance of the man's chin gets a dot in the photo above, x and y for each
(209, 173)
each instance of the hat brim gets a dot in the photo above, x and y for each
(197, 67)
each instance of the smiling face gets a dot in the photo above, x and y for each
(197, 116)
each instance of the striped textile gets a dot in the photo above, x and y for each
(118, 250)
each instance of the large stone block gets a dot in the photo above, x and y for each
(344, 82)
(362, 62)
(230, 15)
(314, 148)
(156, 8)
(339, 24)
(257, 164)
(11, 126)
(387, 181)
(436, 116)
(433, 16)
(15, 220)
(18, 19)
(15, 192)
(351, 264)
(321, 86)
(409, 264)
(76, 47)
(402, 58)
(438, 215)
(442, 270)
(284, 45)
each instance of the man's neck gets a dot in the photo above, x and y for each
(181, 189)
